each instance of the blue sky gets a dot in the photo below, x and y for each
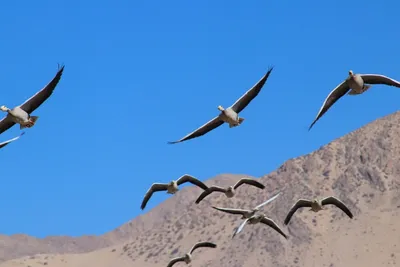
(141, 73)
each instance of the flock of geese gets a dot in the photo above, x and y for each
(354, 84)
(249, 216)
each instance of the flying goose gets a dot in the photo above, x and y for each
(317, 205)
(171, 187)
(21, 114)
(354, 84)
(3, 144)
(188, 256)
(229, 115)
(246, 213)
(259, 218)
(230, 190)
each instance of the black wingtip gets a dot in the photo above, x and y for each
(172, 142)
(60, 67)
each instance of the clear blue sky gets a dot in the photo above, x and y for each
(141, 73)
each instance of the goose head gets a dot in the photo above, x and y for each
(317, 204)
(220, 108)
(351, 73)
(173, 183)
(4, 108)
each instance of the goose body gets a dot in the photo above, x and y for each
(172, 187)
(230, 117)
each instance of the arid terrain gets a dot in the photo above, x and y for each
(361, 168)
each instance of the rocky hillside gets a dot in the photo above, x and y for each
(361, 168)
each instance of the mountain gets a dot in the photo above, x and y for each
(362, 169)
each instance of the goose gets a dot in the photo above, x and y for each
(246, 213)
(259, 218)
(354, 84)
(188, 256)
(230, 190)
(229, 115)
(3, 144)
(171, 187)
(317, 205)
(21, 114)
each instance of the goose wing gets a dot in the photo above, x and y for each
(36, 100)
(3, 144)
(188, 178)
(240, 228)
(245, 99)
(202, 245)
(337, 203)
(202, 130)
(333, 96)
(379, 79)
(273, 225)
(301, 203)
(5, 124)
(268, 201)
(154, 188)
(249, 182)
(209, 191)
(175, 260)
(232, 211)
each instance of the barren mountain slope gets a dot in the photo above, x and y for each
(361, 168)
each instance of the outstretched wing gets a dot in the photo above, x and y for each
(249, 182)
(188, 178)
(209, 191)
(333, 96)
(379, 79)
(232, 211)
(154, 188)
(272, 224)
(202, 245)
(301, 203)
(202, 130)
(245, 99)
(3, 144)
(175, 260)
(337, 203)
(240, 228)
(268, 201)
(36, 100)
(5, 124)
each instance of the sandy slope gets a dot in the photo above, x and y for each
(362, 169)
